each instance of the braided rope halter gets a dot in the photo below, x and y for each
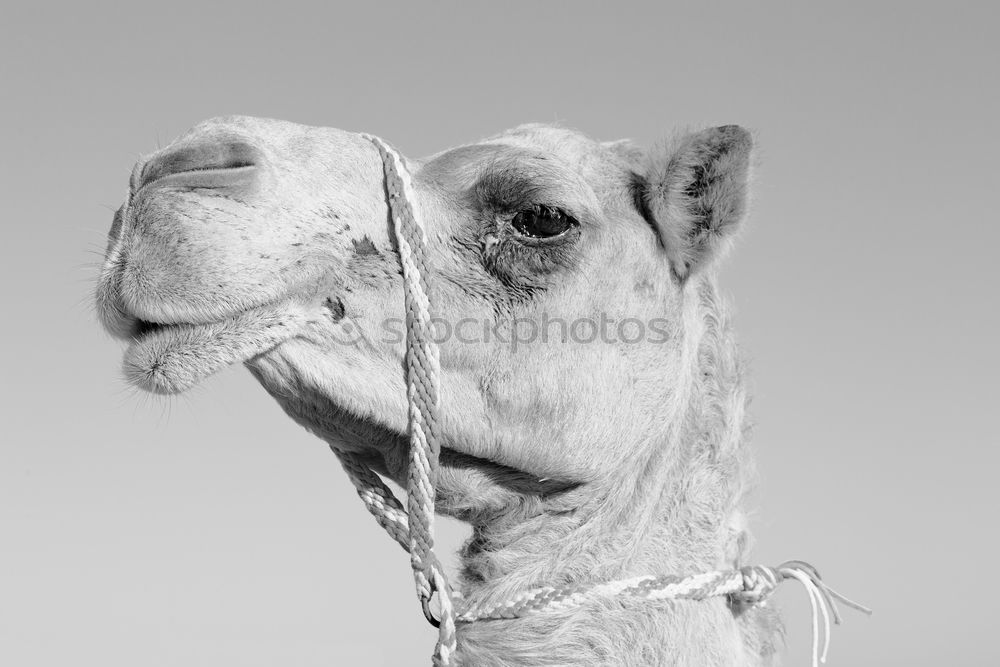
(412, 527)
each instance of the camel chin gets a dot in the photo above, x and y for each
(172, 358)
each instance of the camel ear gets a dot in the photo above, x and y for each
(696, 194)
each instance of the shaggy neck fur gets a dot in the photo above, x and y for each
(677, 508)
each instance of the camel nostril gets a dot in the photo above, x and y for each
(197, 159)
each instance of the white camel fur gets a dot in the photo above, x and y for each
(574, 459)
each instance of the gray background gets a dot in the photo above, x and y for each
(208, 529)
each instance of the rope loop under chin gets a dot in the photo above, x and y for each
(412, 526)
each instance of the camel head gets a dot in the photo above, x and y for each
(566, 274)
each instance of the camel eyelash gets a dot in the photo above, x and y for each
(508, 195)
(511, 188)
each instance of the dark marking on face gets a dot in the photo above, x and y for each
(335, 308)
(645, 288)
(365, 247)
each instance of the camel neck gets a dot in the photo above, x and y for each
(616, 535)
(624, 527)
(677, 508)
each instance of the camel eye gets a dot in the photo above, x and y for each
(542, 222)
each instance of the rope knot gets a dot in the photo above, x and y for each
(759, 581)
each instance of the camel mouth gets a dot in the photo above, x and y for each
(142, 328)
(169, 358)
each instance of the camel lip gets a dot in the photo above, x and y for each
(142, 318)
(169, 358)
